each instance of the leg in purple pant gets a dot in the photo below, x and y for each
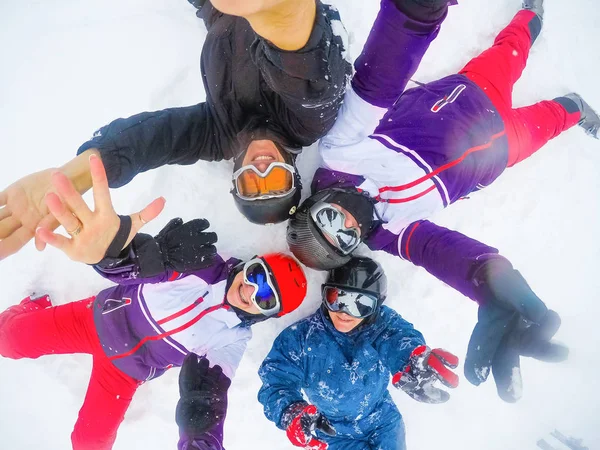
(393, 52)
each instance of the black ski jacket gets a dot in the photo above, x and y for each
(253, 90)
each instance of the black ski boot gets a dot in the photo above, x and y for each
(537, 6)
(197, 3)
(590, 121)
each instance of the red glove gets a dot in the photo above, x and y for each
(424, 368)
(300, 421)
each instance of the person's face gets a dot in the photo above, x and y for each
(261, 154)
(350, 222)
(240, 295)
(343, 322)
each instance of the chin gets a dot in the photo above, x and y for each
(343, 327)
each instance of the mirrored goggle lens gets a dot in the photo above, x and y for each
(279, 181)
(265, 297)
(356, 304)
(331, 221)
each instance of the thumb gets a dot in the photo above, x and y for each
(146, 215)
(325, 426)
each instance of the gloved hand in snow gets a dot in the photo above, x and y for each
(424, 368)
(300, 421)
(513, 322)
(203, 396)
(182, 247)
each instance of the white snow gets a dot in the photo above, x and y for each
(69, 67)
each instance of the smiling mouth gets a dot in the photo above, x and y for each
(242, 297)
(344, 319)
(262, 159)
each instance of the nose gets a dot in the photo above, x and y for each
(262, 166)
(350, 222)
(248, 291)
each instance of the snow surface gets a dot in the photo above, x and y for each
(69, 67)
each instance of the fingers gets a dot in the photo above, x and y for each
(4, 213)
(507, 371)
(102, 200)
(449, 359)
(8, 226)
(430, 394)
(55, 240)
(152, 211)
(552, 352)
(71, 197)
(3, 198)
(13, 243)
(325, 426)
(64, 216)
(148, 214)
(49, 222)
(494, 322)
(198, 225)
(445, 375)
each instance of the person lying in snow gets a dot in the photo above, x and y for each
(342, 357)
(394, 158)
(274, 73)
(174, 295)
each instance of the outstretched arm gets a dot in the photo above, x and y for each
(103, 238)
(149, 140)
(512, 320)
(127, 147)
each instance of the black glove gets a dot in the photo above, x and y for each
(203, 396)
(300, 420)
(183, 247)
(512, 322)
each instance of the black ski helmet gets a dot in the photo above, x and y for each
(308, 244)
(271, 210)
(360, 274)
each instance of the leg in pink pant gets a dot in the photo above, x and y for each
(497, 70)
(30, 331)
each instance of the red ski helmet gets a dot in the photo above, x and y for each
(290, 279)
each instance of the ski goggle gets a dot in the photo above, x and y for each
(252, 184)
(265, 296)
(331, 223)
(356, 304)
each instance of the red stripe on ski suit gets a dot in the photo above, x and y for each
(185, 310)
(444, 167)
(161, 336)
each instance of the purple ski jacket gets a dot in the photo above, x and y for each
(148, 325)
(414, 152)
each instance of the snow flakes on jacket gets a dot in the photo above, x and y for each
(345, 376)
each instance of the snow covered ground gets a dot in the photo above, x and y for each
(68, 67)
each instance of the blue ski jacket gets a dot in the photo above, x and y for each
(345, 375)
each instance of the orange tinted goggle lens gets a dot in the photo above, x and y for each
(278, 181)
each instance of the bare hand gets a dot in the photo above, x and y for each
(91, 231)
(23, 209)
